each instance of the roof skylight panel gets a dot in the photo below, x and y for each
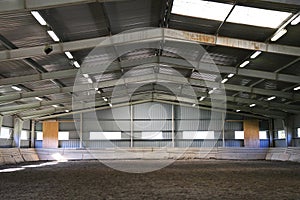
(240, 14)
(201, 9)
(258, 17)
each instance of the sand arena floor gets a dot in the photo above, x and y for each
(209, 179)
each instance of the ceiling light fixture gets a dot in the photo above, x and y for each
(38, 98)
(53, 36)
(110, 104)
(90, 80)
(230, 75)
(297, 88)
(85, 75)
(257, 53)
(76, 64)
(244, 63)
(224, 80)
(194, 105)
(238, 110)
(201, 98)
(67, 111)
(252, 105)
(278, 35)
(271, 98)
(104, 98)
(69, 55)
(55, 106)
(296, 21)
(16, 88)
(39, 18)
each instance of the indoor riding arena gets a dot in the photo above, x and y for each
(150, 99)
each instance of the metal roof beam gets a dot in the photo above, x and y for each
(150, 77)
(149, 96)
(266, 113)
(14, 109)
(288, 2)
(152, 35)
(27, 5)
(9, 110)
(153, 60)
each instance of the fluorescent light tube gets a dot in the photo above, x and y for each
(55, 106)
(271, 98)
(202, 98)
(53, 36)
(278, 35)
(297, 88)
(257, 53)
(252, 105)
(39, 18)
(230, 75)
(69, 55)
(238, 110)
(16, 88)
(76, 64)
(38, 98)
(224, 80)
(244, 63)
(296, 21)
(90, 80)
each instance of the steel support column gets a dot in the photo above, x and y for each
(32, 134)
(18, 125)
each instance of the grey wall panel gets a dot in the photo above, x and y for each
(234, 126)
(167, 135)
(67, 126)
(39, 126)
(230, 116)
(8, 121)
(157, 125)
(280, 143)
(229, 135)
(4, 143)
(264, 143)
(201, 125)
(182, 112)
(196, 143)
(278, 124)
(85, 135)
(38, 143)
(152, 111)
(73, 135)
(125, 135)
(106, 144)
(115, 113)
(296, 121)
(26, 125)
(152, 143)
(297, 142)
(24, 143)
(91, 125)
(69, 144)
(263, 125)
(234, 143)
(191, 125)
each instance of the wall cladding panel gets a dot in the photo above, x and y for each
(152, 111)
